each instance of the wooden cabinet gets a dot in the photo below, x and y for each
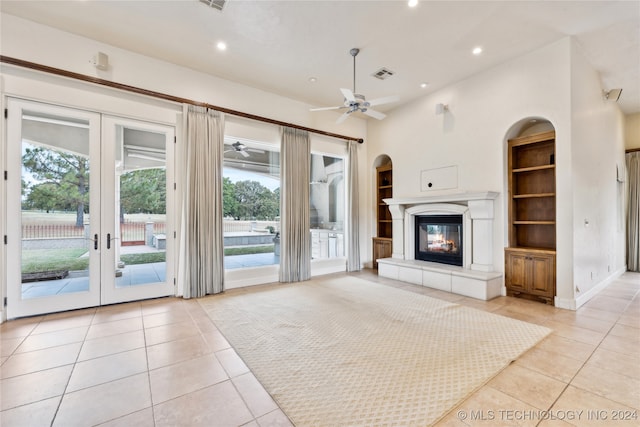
(384, 190)
(530, 270)
(381, 249)
(530, 273)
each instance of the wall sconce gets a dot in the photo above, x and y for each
(612, 95)
(441, 108)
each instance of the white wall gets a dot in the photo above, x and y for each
(598, 198)
(632, 131)
(483, 112)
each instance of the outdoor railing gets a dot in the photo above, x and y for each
(51, 231)
(135, 231)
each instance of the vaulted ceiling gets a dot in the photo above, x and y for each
(278, 46)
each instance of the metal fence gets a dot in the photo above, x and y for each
(230, 226)
(130, 232)
(135, 232)
(51, 231)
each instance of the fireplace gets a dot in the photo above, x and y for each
(438, 238)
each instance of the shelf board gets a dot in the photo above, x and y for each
(530, 249)
(532, 195)
(534, 168)
(385, 220)
(382, 187)
(534, 222)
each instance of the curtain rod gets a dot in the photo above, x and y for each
(164, 96)
(631, 150)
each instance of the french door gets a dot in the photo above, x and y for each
(89, 207)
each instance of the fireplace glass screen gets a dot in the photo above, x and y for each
(439, 238)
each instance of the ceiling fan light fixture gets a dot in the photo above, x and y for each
(355, 102)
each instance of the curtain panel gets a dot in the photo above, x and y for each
(353, 236)
(633, 211)
(202, 243)
(295, 238)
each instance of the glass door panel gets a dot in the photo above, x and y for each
(140, 194)
(91, 199)
(54, 249)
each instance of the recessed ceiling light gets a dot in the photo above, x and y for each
(477, 50)
(424, 85)
(413, 3)
(313, 79)
(221, 46)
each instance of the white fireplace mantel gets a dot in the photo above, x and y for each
(477, 209)
(476, 277)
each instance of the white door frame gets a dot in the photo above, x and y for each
(16, 305)
(110, 294)
(102, 288)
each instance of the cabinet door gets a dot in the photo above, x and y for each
(516, 271)
(381, 249)
(542, 274)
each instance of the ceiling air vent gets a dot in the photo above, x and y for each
(383, 73)
(216, 4)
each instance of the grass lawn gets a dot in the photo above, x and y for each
(38, 260)
(249, 250)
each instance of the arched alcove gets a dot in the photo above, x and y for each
(530, 232)
(383, 179)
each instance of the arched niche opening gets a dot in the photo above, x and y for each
(382, 243)
(530, 205)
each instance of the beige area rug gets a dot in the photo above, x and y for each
(349, 352)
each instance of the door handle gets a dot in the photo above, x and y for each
(95, 242)
(109, 239)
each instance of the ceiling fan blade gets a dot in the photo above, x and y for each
(325, 108)
(348, 95)
(255, 150)
(385, 100)
(375, 114)
(343, 117)
(244, 153)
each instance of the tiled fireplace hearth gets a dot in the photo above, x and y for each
(476, 277)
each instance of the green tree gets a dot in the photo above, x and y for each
(255, 201)
(143, 191)
(67, 173)
(43, 196)
(229, 203)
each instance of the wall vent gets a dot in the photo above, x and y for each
(383, 73)
(216, 4)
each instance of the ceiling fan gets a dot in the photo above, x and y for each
(239, 147)
(356, 102)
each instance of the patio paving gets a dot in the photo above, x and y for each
(136, 274)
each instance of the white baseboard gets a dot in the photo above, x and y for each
(579, 301)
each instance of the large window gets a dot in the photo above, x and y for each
(327, 206)
(251, 204)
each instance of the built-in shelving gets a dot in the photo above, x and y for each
(384, 223)
(530, 257)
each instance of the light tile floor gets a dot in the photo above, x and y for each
(163, 363)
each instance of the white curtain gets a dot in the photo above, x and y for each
(353, 236)
(295, 239)
(633, 212)
(201, 262)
